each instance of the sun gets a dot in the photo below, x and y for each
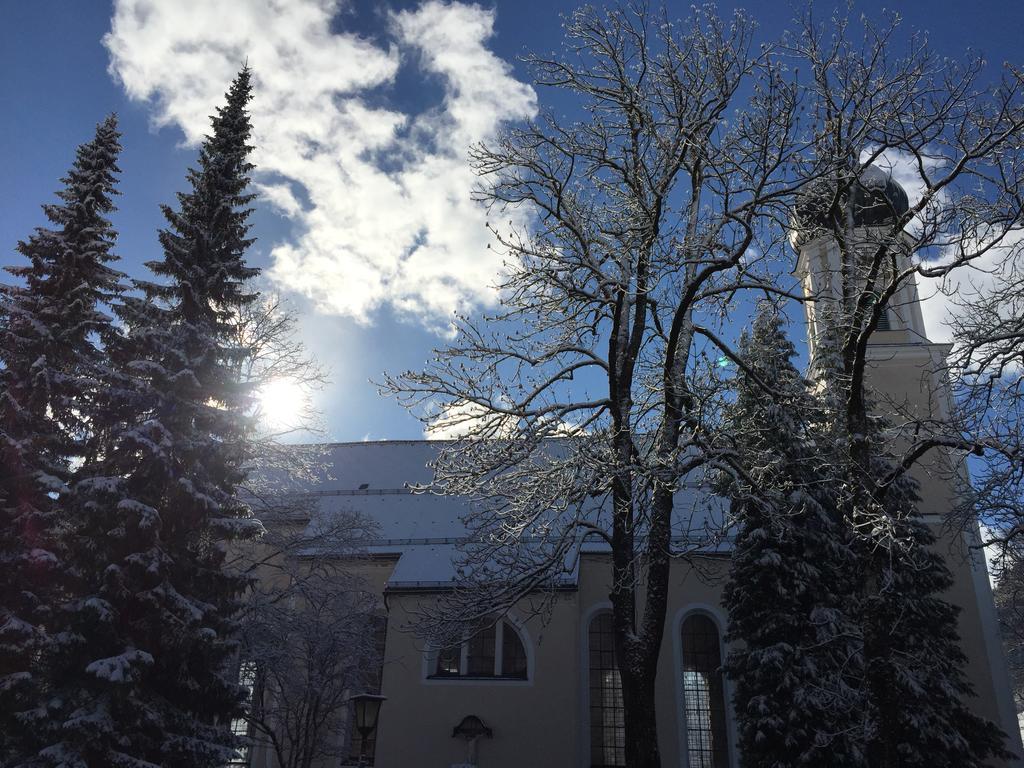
(283, 404)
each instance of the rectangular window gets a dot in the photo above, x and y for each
(240, 725)
(883, 321)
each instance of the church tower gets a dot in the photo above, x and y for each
(899, 346)
(906, 373)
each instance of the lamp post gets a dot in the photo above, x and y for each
(367, 710)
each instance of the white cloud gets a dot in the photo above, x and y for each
(464, 418)
(379, 198)
(904, 169)
(978, 278)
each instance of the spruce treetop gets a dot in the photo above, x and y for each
(52, 318)
(207, 237)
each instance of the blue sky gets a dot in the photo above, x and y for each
(364, 110)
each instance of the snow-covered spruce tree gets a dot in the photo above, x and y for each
(147, 675)
(791, 575)
(912, 681)
(1009, 599)
(915, 668)
(49, 361)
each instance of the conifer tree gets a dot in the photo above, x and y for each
(915, 668)
(148, 674)
(791, 572)
(49, 365)
(912, 682)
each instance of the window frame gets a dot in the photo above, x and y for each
(885, 317)
(592, 616)
(247, 674)
(431, 657)
(712, 614)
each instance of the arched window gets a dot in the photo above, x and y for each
(495, 651)
(607, 720)
(704, 694)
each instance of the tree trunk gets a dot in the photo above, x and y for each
(638, 644)
(641, 722)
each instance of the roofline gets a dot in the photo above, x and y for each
(413, 587)
(349, 556)
(388, 441)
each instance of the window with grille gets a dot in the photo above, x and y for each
(479, 656)
(448, 660)
(883, 321)
(480, 653)
(607, 719)
(704, 694)
(247, 678)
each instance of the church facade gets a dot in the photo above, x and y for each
(544, 690)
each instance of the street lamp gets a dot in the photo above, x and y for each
(367, 710)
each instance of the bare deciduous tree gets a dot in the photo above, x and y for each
(989, 365)
(309, 627)
(953, 141)
(877, 107)
(310, 633)
(667, 198)
(645, 215)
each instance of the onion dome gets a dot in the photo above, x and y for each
(878, 200)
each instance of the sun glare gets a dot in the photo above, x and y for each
(282, 404)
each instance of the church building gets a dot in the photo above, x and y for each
(544, 691)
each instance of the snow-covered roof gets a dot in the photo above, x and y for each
(374, 480)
